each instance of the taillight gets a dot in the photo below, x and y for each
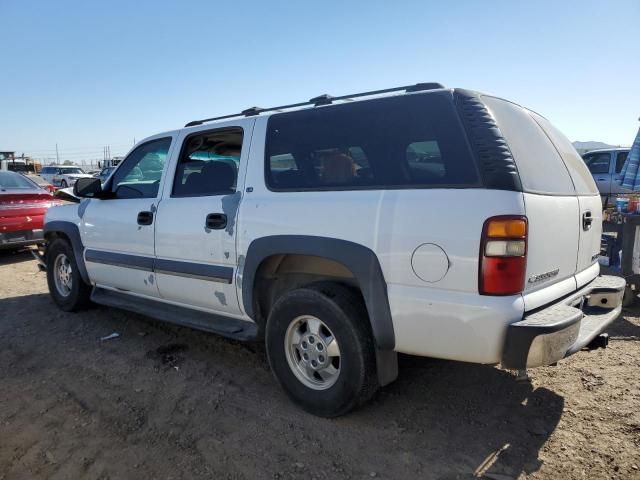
(503, 255)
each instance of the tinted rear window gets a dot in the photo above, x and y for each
(580, 174)
(15, 181)
(409, 141)
(540, 167)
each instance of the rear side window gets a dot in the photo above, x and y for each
(621, 157)
(580, 174)
(411, 141)
(208, 164)
(598, 162)
(540, 167)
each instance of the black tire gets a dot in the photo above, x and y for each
(344, 313)
(63, 184)
(79, 291)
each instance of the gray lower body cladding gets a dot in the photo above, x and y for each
(566, 327)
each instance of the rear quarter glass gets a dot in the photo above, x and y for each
(408, 141)
(580, 174)
(540, 167)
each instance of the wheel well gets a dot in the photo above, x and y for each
(280, 273)
(51, 236)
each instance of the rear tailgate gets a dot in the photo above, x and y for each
(551, 205)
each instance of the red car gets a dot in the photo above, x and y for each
(22, 207)
(42, 183)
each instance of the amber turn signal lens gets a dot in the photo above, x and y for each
(514, 228)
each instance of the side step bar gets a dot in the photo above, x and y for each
(209, 322)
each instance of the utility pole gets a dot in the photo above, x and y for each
(57, 156)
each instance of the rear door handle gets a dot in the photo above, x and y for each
(587, 220)
(216, 221)
(145, 218)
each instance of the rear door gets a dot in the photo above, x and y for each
(196, 220)
(551, 205)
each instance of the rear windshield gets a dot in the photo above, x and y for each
(409, 141)
(580, 174)
(540, 167)
(10, 180)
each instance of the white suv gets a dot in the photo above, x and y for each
(63, 176)
(436, 222)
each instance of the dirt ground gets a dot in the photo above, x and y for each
(166, 402)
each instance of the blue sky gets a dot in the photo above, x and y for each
(86, 74)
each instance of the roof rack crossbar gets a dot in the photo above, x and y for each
(324, 99)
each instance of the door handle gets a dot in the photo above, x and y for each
(587, 220)
(145, 218)
(216, 221)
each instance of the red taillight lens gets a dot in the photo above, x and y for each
(503, 255)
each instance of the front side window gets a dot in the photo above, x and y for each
(412, 141)
(598, 162)
(209, 164)
(140, 173)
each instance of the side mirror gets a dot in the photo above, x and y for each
(87, 187)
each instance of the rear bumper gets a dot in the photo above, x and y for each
(20, 238)
(565, 327)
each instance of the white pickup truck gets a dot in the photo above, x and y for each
(423, 220)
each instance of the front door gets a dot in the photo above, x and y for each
(118, 233)
(599, 164)
(195, 230)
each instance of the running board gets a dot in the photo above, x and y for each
(186, 317)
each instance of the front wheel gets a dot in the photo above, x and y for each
(63, 184)
(321, 349)
(67, 288)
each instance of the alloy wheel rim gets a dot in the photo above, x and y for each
(312, 352)
(63, 275)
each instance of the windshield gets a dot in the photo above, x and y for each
(67, 171)
(15, 181)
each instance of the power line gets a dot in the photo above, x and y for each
(75, 149)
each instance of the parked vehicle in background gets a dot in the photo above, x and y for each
(42, 183)
(23, 204)
(62, 176)
(104, 173)
(435, 222)
(605, 165)
(18, 165)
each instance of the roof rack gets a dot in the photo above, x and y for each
(324, 99)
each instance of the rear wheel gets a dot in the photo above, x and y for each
(67, 288)
(321, 350)
(63, 184)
